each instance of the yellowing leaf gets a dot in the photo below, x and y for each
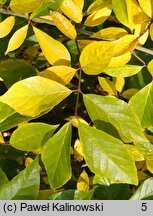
(25, 6)
(54, 51)
(71, 10)
(78, 154)
(129, 93)
(34, 96)
(142, 176)
(110, 33)
(125, 11)
(120, 60)
(149, 164)
(64, 25)
(6, 26)
(150, 66)
(151, 31)
(107, 85)
(75, 120)
(17, 39)
(60, 74)
(79, 3)
(147, 6)
(98, 16)
(125, 44)
(83, 182)
(119, 83)
(84, 43)
(28, 161)
(96, 56)
(136, 155)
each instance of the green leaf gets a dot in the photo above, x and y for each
(23, 186)
(55, 4)
(107, 156)
(124, 71)
(142, 104)
(145, 191)
(72, 195)
(9, 118)
(35, 96)
(116, 112)
(25, 6)
(31, 136)
(4, 180)
(12, 71)
(56, 157)
(96, 56)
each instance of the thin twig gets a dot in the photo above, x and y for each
(145, 50)
(138, 57)
(35, 19)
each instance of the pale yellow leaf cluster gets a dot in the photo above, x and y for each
(72, 10)
(6, 26)
(64, 25)
(34, 96)
(61, 74)
(98, 12)
(54, 51)
(17, 39)
(83, 182)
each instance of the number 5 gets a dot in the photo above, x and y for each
(144, 206)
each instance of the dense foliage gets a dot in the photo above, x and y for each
(76, 104)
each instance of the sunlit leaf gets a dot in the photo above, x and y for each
(64, 25)
(80, 3)
(60, 74)
(72, 10)
(96, 56)
(31, 136)
(56, 157)
(120, 60)
(99, 13)
(34, 96)
(110, 33)
(149, 164)
(83, 182)
(17, 39)
(78, 154)
(25, 6)
(129, 93)
(6, 26)
(124, 71)
(54, 51)
(119, 83)
(136, 155)
(150, 66)
(24, 186)
(107, 156)
(147, 7)
(142, 104)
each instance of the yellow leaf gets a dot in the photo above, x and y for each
(98, 4)
(6, 26)
(17, 39)
(25, 6)
(149, 164)
(107, 85)
(64, 25)
(120, 60)
(147, 6)
(78, 154)
(83, 182)
(1, 139)
(54, 51)
(129, 93)
(119, 83)
(71, 10)
(136, 155)
(75, 120)
(79, 3)
(96, 56)
(110, 33)
(28, 161)
(151, 31)
(125, 44)
(132, 11)
(100, 15)
(60, 74)
(39, 150)
(34, 96)
(84, 43)
(150, 66)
